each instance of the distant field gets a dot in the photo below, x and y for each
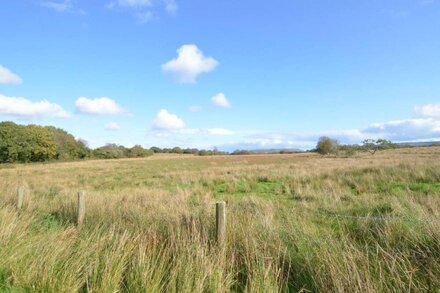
(299, 222)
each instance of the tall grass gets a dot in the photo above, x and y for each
(295, 223)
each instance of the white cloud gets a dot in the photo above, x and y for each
(195, 109)
(167, 124)
(189, 64)
(430, 110)
(63, 6)
(406, 129)
(58, 6)
(217, 131)
(113, 126)
(145, 10)
(205, 131)
(99, 106)
(21, 107)
(8, 77)
(167, 121)
(221, 100)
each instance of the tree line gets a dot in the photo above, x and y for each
(34, 143)
(329, 146)
(192, 151)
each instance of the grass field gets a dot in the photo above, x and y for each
(294, 223)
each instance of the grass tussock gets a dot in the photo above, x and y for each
(296, 223)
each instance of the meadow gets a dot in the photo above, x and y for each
(295, 223)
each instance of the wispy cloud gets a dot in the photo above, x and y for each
(171, 6)
(62, 6)
(144, 17)
(8, 77)
(145, 10)
(195, 109)
(112, 126)
(430, 110)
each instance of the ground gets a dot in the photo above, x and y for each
(294, 222)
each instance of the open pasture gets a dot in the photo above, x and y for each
(301, 222)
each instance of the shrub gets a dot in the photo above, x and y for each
(327, 146)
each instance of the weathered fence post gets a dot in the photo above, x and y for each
(81, 208)
(220, 215)
(20, 197)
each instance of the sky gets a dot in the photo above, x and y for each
(228, 74)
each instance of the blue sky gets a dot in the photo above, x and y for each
(227, 74)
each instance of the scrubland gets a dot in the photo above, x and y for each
(295, 223)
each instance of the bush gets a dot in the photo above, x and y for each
(327, 146)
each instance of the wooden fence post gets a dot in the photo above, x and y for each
(20, 197)
(220, 213)
(81, 208)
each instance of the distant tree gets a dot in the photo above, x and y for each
(42, 145)
(177, 150)
(203, 153)
(110, 151)
(138, 152)
(68, 148)
(192, 151)
(13, 144)
(156, 150)
(19, 143)
(326, 146)
(348, 150)
(241, 152)
(372, 146)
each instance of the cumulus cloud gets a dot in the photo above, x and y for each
(8, 77)
(167, 121)
(24, 108)
(113, 126)
(430, 110)
(189, 64)
(99, 106)
(221, 100)
(167, 124)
